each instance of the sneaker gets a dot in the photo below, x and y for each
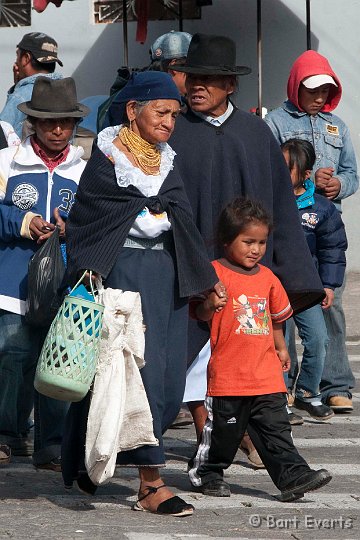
(309, 481)
(340, 404)
(53, 465)
(20, 446)
(316, 409)
(184, 418)
(216, 488)
(294, 419)
(5, 454)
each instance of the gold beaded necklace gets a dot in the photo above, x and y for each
(146, 155)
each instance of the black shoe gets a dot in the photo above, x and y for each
(318, 411)
(85, 485)
(306, 482)
(216, 488)
(53, 465)
(295, 419)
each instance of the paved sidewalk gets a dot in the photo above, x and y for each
(35, 505)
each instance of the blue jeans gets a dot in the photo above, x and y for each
(20, 346)
(312, 331)
(49, 419)
(337, 378)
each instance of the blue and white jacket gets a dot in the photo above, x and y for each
(325, 234)
(27, 189)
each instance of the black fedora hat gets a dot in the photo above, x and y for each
(54, 98)
(212, 55)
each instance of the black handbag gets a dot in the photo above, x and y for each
(45, 275)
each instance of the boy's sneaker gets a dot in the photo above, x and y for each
(294, 419)
(316, 409)
(309, 481)
(216, 488)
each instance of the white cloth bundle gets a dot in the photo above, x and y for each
(119, 416)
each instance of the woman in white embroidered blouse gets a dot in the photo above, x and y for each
(143, 160)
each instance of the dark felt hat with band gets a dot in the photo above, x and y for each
(212, 55)
(54, 98)
(42, 47)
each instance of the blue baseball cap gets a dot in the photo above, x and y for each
(171, 45)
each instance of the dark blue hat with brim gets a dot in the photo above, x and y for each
(148, 86)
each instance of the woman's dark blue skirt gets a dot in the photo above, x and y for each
(151, 272)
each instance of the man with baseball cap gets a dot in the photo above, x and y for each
(36, 54)
(169, 50)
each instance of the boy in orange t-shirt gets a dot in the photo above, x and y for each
(246, 389)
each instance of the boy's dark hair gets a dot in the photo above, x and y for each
(237, 215)
(301, 155)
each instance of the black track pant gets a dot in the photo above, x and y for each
(266, 420)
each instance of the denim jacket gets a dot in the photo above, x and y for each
(20, 93)
(329, 136)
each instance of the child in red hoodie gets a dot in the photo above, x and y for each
(314, 91)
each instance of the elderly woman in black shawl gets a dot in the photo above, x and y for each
(132, 224)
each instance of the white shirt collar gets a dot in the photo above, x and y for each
(219, 119)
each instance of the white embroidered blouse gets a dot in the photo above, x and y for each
(147, 224)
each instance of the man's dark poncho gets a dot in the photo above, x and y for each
(242, 158)
(103, 214)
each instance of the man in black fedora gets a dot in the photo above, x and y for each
(223, 152)
(38, 182)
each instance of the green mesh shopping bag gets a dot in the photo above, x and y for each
(67, 363)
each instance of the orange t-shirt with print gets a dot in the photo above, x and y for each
(243, 358)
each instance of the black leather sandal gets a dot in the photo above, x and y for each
(175, 506)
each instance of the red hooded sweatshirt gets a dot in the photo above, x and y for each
(307, 64)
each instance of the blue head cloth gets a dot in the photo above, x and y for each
(148, 86)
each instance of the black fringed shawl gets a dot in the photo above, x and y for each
(242, 158)
(103, 214)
